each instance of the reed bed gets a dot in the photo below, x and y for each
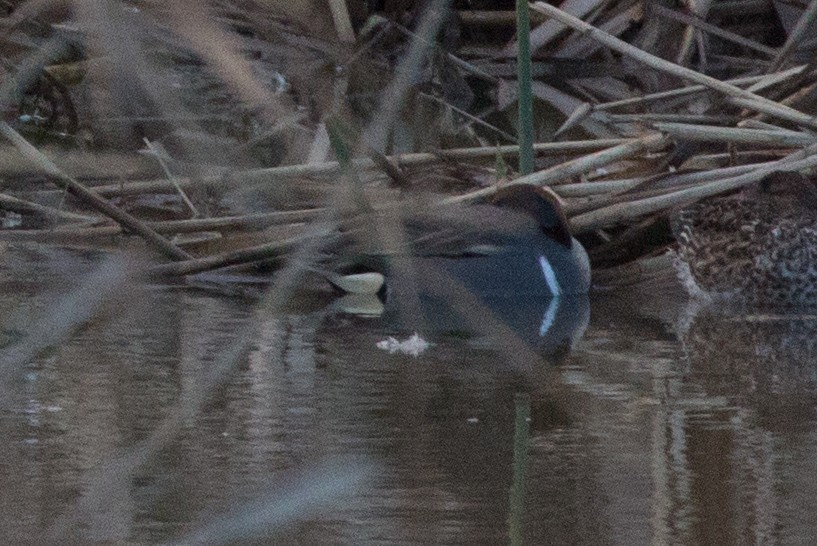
(618, 127)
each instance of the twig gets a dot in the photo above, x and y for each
(90, 198)
(465, 65)
(160, 154)
(481, 122)
(391, 169)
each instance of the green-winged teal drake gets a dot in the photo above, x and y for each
(518, 242)
(758, 245)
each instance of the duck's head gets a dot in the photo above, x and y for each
(560, 259)
(541, 204)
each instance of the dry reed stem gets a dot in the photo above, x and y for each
(739, 8)
(671, 68)
(160, 154)
(316, 233)
(709, 133)
(249, 221)
(793, 98)
(492, 18)
(708, 175)
(16, 204)
(575, 209)
(576, 117)
(330, 168)
(60, 236)
(545, 32)
(765, 81)
(80, 163)
(267, 251)
(602, 187)
(670, 118)
(572, 168)
(343, 25)
(614, 214)
(752, 123)
(391, 169)
(700, 9)
(228, 223)
(471, 117)
(782, 112)
(579, 48)
(712, 29)
(612, 187)
(92, 199)
(465, 65)
(775, 77)
(806, 19)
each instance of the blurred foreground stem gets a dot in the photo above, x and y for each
(520, 467)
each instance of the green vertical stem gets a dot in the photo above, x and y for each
(338, 139)
(523, 81)
(520, 468)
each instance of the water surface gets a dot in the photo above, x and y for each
(654, 427)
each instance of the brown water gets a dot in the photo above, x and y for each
(653, 429)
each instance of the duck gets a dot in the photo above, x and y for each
(756, 246)
(516, 243)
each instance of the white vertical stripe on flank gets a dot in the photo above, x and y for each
(550, 276)
(549, 317)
